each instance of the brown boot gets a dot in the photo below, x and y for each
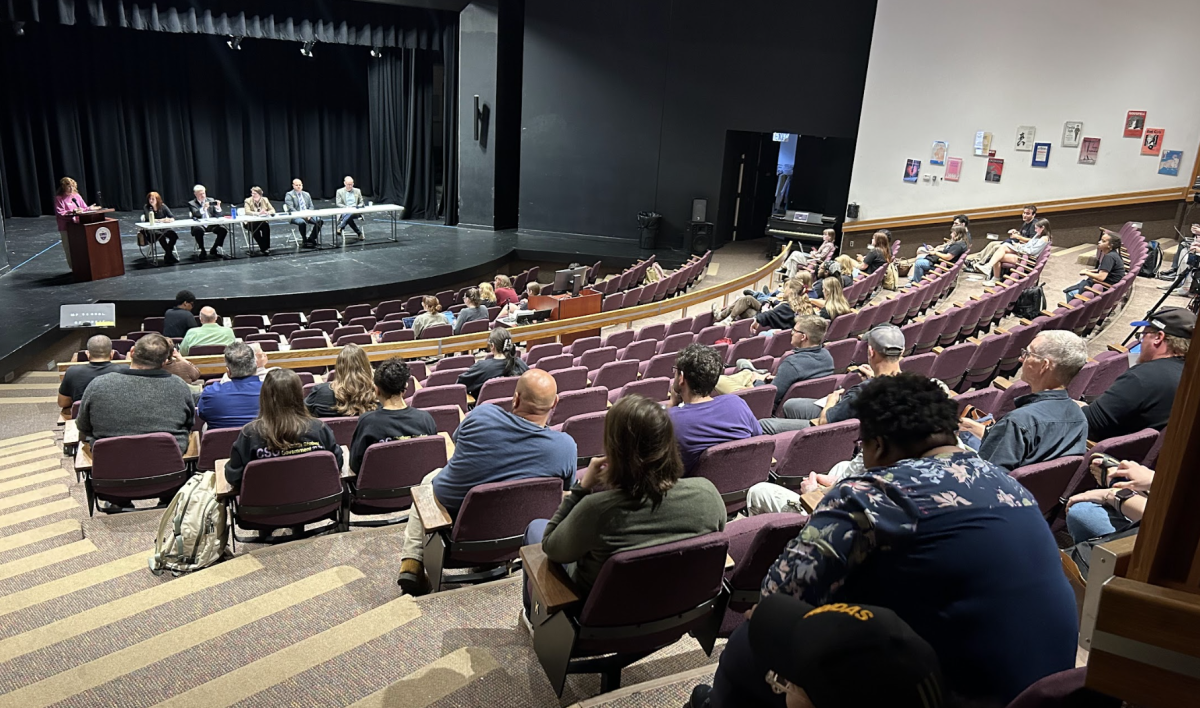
(412, 578)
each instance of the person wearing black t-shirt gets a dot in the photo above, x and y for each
(162, 214)
(879, 254)
(283, 427)
(395, 420)
(1109, 270)
(179, 319)
(77, 378)
(503, 361)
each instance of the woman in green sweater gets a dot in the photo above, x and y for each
(631, 498)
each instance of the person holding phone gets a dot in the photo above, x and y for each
(203, 207)
(1119, 503)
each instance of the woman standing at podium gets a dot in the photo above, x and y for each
(161, 212)
(68, 203)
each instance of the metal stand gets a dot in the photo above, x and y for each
(1184, 272)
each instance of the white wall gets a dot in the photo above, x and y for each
(944, 69)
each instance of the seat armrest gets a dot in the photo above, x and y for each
(70, 433)
(548, 582)
(1093, 289)
(1066, 305)
(83, 457)
(938, 350)
(224, 488)
(1002, 383)
(999, 330)
(1117, 348)
(434, 516)
(1025, 321)
(973, 340)
(1047, 313)
(193, 449)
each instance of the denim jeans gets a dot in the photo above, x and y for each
(533, 534)
(1077, 288)
(1088, 520)
(919, 268)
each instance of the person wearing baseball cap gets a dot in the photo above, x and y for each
(885, 346)
(816, 657)
(1142, 397)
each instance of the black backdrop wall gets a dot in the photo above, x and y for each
(126, 112)
(627, 102)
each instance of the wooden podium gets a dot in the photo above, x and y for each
(564, 307)
(95, 245)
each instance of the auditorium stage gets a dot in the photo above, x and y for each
(426, 256)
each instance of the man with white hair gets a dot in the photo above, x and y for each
(350, 197)
(1046, 424)
(203, 207)
(210, 332)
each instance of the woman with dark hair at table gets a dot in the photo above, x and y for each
(161, 213)
(258, 205)
(68, 203)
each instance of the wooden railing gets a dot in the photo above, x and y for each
(304, 358)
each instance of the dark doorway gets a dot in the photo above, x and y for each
(748, 179)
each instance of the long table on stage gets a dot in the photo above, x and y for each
(242, 221)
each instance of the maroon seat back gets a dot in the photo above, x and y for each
(620, 339)
(215, 444)
(581, 345)
(343, 428)
(951, 364)
(361, 338)
(984, 399)
(402, 335)
(709, 335)
(1110, 365)
(1064, 689)
(443, 378)
(153, 324)
(642, 350)
(656, 389)
(749, 348)
(1046, 480)
(323, 315)
(760, 399)
(683, 324)
(288, 491)
(921, 364)
(657, 332)
(388, 326)
(207, 350)
(733, 467)
(255, 321)
(475, 327)
(309, 343)
(660, 365)
(814, 449)
(573, 403)
(540, 351)
(137, 467)
(460, 362)
(738, 330)
(346, 329)
(554, 363)
(754, 545)
(286, 318)
(587, 430)
(502, 510)
(436, 331)
(570, 379)
(353, 312)
(595, 358)
(1134, 446)
(390, 469)
(616, 374)
(445, 418)
(502, 387)
(454, 394)
(842, 352)
(812, 388)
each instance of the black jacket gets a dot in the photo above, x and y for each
(1140, 398)
(177, 321)
(250, 446)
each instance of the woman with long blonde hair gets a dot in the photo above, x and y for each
(834, 304)
(351, 393)
(487, 295)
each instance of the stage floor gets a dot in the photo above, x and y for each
(425, 257)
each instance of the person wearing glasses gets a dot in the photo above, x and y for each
(808, 360)
(950, 542)
(1046, 424)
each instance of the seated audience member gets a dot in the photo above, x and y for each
(1109, 270)
(431, 316)
(493, 445)
(76, 378)
(209, 333)
(138, 399)
(474, 310)
(849, 269)
(642, 501)
(502, 361)
(352, 392)
(1046, 424)
(1142, 397)
(394, 420)
(504, 290)
(1027, 231)
(791, 653)
(828, 269)
(820, 254)
(833, 304)
(808, 360)
(487, 295)
(179, 319)
(700, 420)
(178, 365)
(946, 253)
(1112, 509)
(927, 515)
(532, 289)
(885, 346)
(232, 403)
(878, 255)
(260, 362)
(283, 428)
(1011, 253)
(964, 221)
(781, 316)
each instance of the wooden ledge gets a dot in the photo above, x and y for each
(549, 584)
(434, 516)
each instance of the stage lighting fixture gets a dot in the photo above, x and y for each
(375, 53)
(234, 42)
(307, 49)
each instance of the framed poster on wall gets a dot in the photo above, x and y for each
(995, 169)
(1072, 132)
(1025, 136)
(1152, 141)
(953, 168)
(1169, 164)
(1089, 150)
(1041, 154)
(1134, 122)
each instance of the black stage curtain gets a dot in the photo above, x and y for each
(125, 113)
(356, 23)
(448, 209)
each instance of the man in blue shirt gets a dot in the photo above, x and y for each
(233, 403)
(493, 445)
(1046, 424)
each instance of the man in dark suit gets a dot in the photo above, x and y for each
(204, 208)
(300, 200)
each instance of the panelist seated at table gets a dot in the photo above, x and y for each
(67, 204)
(203, 207)
(258, 205)
(161, 213)
(351, 197)
(300, 200)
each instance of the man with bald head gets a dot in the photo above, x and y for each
(493, 445)
(210, 332)
(77, 378)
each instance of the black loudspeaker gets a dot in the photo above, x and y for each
(852, 211)
(700, 233)
(699, 209)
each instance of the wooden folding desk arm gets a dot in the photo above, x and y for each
(549, 584)
(434, 516)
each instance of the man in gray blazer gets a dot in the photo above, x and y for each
(349, 196)
(300, 200)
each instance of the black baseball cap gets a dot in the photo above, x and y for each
(1174, 321)
(846, 656)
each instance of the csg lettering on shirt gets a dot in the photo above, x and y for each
(299, 448)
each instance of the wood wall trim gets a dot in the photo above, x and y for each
(303, 358)
(1063, 205)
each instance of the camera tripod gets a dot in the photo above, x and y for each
(1187, 268)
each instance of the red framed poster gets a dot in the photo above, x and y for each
(1134, 122)
(1152, 141)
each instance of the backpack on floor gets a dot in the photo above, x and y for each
(1153, 260)
(1030, 303)
(193, 529)
(891, 276)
